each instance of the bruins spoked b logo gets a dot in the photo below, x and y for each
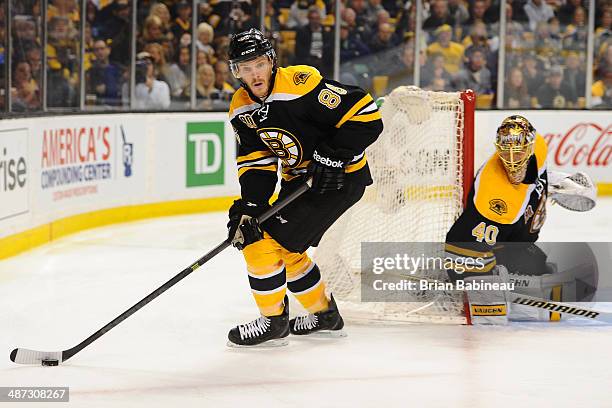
(283, 144)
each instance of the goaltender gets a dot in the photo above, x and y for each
(505, 211)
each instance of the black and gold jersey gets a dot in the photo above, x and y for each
(302, 110)
(498, 211)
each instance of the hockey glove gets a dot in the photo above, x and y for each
(327, 171)
(243, 228)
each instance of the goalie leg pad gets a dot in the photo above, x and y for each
(489, 306)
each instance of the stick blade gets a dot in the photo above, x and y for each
(26, 356)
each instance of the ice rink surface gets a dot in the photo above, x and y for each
(172, 353)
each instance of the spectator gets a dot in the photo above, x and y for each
(518, 11)
(532, 73)
(401, 70)
(314, 44)
(477, 36)
(394, 7)
(577, 32)
(383, 39)
(350, 17)
(574, 74)
(115, 25)
(105, 77)
(271, 22)
(62, 64)
(161, 10)
(33, 55)
(513, 28)
(351, 46)
(63, 8)
(24, 29)
(515, 92)
(602, 90)
(184, 63)
(603, 33)
(545, 44)
(458, 12)
(298, 13)
(406, 25)
(452, 51)
(224, 78)
(182, 22)
(440, 15)
(538, 11)
(605, 62)
(169, 73)
(434, 70)
(91, 18)
(152, 31)
(375, 6)
(205, 86)
(206, 35)
(150, 94)
(382, 17)
(364, 17)
(184, 60)
(239, 20)
(566, 11)
(475, 75)
(478, 14)
(206, 14)
(25, 91)
(555, 94)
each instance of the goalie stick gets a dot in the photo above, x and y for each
(27, 356)
(560, 307)
(541, 303)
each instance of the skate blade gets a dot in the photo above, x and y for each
(326, 334)
(266, 344)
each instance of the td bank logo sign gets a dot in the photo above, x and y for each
(205, 154)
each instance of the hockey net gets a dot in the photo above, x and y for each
(422, 166)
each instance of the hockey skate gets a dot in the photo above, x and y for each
(265, 331)
(327, 323)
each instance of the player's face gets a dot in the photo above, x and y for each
(514, 159)
(256, 74)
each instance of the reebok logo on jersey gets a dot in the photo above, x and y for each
(327, 161)
(250, 204)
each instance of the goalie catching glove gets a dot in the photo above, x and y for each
(574, 192)
(326, 170)
(243, 227)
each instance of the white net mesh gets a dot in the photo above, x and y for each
(417, 166)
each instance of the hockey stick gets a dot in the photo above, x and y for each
(26, 356)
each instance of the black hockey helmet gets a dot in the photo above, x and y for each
(247, 45)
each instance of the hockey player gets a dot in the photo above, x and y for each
(312, 127)
(505, 211)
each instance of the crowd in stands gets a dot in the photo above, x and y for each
(545, 49)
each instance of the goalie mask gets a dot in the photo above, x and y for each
(514, 143)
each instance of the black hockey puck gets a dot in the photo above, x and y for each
(49, 362)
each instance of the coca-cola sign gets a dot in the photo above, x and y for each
(577, 140)
(584, 144)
